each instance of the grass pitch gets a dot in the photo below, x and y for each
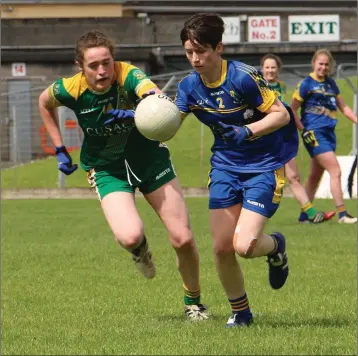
(68, 289)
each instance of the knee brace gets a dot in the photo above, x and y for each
(250, 248)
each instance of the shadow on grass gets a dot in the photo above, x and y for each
(320, 322)
(181, 318)
(274, 322)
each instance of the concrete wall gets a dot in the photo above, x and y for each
(125, 30)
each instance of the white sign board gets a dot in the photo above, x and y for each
(264, 29)
(18, 69)
(232, 30)
(313, 28)
(348, 171)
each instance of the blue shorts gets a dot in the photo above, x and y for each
(325, 141)
(258, 192)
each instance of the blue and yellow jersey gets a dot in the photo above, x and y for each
(240, 97)
(319, 102)
(104, 145)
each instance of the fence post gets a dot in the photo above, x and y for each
(170, 82)
(14, 137)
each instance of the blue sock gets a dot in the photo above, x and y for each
(303, 216)
(342, 213)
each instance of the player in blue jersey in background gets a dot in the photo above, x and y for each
(247, 174)
(270, 67)
(319, 97)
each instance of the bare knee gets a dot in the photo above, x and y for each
(245, 249)
(182, 239)
(221, 249)
(129, 239)
(335, 173)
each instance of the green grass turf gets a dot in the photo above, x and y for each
(190, 149)
(68, 289)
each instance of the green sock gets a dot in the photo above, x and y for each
(311, 212)
(191, 298)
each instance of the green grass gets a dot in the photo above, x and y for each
(190, 151)
(67, 288)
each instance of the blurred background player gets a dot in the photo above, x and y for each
(319, 97)
(119, 159)
(247, 175)
(271, 66)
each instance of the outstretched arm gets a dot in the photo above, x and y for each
(47, 106)
(346, 110)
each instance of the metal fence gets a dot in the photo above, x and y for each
(23, 137)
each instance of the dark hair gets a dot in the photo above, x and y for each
(92, 39)
(203, 28)
(277, 59)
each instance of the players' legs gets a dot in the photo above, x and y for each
(293, 178)
(261, 198)
(168, 202)
(308, 212)
(249, 239)
(314, 177)
(223, 224)
(329, 162)
(122, 216)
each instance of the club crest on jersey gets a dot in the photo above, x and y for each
(139, 74)
(56, 88)
(236, 98)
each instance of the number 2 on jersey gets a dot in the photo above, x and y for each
(220, 101)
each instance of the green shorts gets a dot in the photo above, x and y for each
(134, 172)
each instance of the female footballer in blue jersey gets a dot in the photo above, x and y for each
(270, 67)
(249, 154)
(319, 97)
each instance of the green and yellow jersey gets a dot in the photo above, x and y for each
(104, 146)
(279, 88)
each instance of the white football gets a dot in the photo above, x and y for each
(157, 117)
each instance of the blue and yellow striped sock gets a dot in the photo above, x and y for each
(241, 306)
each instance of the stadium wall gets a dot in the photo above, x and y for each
(46, 47)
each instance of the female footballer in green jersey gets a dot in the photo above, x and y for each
(271, 66)
(118, 159)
